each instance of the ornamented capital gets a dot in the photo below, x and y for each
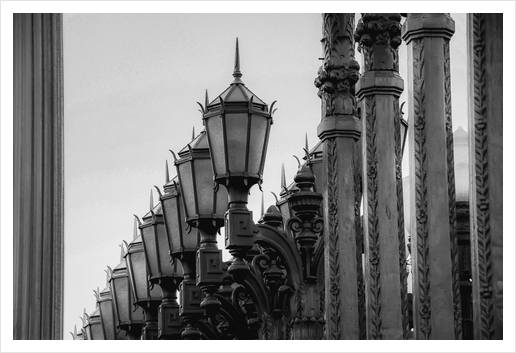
(339, 73)
(378, 36)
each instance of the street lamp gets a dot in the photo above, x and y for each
(107, 314)
(164, 270)
(128, 317)
(146, 296)
(204, 207)
(93, 326)
(237, 124)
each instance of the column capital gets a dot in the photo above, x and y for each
(379, 36)
(379, 82)
(428, 25)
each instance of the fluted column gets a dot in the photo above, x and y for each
(340, 132)
(38, 176)
(485, 49)
(434, 241)
(379, 88)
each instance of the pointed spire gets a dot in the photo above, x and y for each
(206, 99)
(193, 132)
(263, 206)
(135, 231)
(151, 201)
(236, 72)
(167, 175)
(283, 179)
(306, 141)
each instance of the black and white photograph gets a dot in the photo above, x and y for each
(232, 170)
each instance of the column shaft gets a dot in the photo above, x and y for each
(434, 244)
(340, 132)
(384, 235)
(38, 176)
(486, 169)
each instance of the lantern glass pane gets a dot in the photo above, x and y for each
(174, 220)
(187, 189)
(120, 287)
(138, 273)
(259, 125)
(107, 317)
(204, 185)
(222, 202)
(97, 332)
(163, 250)
(191, 240)
(236, 134)
(149, 239)
(216, 139)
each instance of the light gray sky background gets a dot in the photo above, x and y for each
(131, 86)
(132, 82)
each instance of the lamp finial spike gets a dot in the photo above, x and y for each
(206, 99)
(236, 72)
(167, 175)
(263, 206)
(151, 201)
(306, 141)
(193, 132)
(283, 179)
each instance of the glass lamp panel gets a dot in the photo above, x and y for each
(107, 317)
(121, 296)
(222, 202)
(236, 134)
(191, 240)
(184, 170)
(138, 274)
(88, 332)
(163, 250)
(97, 332)
(259, 126)
(174, 220)
(151, 248)
(215, 133)
(204, 185)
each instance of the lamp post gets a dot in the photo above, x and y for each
(164, 271)
(204, 207)
(238, 124)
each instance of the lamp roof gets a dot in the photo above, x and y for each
(198, 144)
(237, 92)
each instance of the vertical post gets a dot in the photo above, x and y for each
(340, 132)
(38, 176)
(485, 47)
(379, 88)
(437, 313)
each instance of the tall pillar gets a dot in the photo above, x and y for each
(38, 176)
(485, 49)
(434, 242)
(379, 89)
(340, 132)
